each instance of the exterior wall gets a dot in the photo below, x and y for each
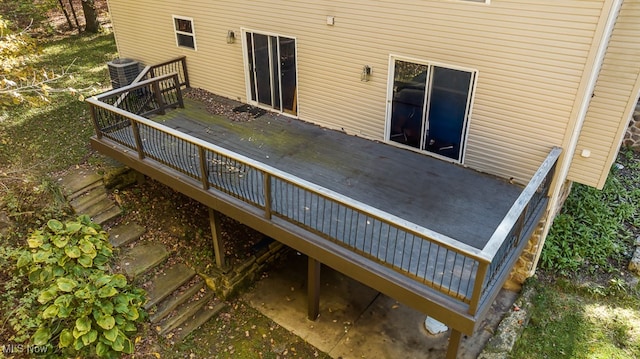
(532, 58)
(613, 103)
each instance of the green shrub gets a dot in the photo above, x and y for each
(590, 232)
(82, 309)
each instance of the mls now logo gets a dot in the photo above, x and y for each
(19, 348)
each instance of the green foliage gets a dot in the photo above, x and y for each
(591, 231)
(27, 13)
(82, 308)
(23, 81)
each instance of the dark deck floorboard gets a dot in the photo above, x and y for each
(449, 199)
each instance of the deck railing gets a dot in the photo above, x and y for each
(177, 66)
(464, 273)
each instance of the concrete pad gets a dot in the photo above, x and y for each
(283, 297)
(356, 321)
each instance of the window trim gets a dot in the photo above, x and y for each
(184, 33)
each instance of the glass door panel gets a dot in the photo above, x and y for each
(289, 81)
(262, 68)
(407, 106)
(448, 104)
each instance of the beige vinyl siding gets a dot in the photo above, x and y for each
(530, 57)
(614, 99)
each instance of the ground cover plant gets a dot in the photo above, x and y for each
(80, 308)
(587, 303)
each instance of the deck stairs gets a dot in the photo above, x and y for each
(178, 299)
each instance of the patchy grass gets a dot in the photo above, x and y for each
(587, 303)
(45, 139)
(569, 321)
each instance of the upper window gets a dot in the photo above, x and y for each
(185, 34)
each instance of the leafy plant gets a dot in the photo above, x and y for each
(82, 308)
(590, 232)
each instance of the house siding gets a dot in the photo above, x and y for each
(614, 100)
(530, 57)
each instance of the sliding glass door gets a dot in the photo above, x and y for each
(429, 107)
(271, 65)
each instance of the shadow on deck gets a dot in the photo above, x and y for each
(438, 237)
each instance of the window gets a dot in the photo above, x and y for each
(185, 35)
(429, 107)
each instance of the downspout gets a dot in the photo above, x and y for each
(563, 170)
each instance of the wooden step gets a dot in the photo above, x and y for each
(140, 259)
(202, 316)
(102, 205)
(124, 234)
(184, 313)
(78, 182)
(107, 215)
(165, 283)
(88, 199)
(174, 300)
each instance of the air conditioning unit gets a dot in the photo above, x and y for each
(123, 71)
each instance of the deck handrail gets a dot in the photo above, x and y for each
(177, 65)
(492, 246)
(484, 257)
(158, 70)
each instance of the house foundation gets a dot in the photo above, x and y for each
(525, 266)
(632, 136)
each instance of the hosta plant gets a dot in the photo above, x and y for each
(82, 309)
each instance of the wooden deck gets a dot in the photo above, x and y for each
(454, 201)
(434, 235)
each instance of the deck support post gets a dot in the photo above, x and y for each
(137, 138)
(158, 95)
(313, 288)
(176, 82)
(454, 344)
(218, 246)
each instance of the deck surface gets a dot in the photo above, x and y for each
(449, 199)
